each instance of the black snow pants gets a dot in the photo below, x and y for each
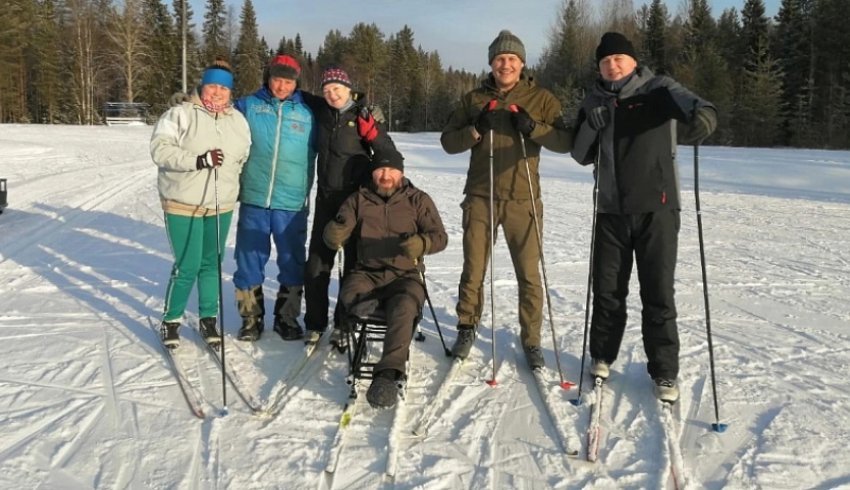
(650, 239)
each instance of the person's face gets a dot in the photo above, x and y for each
(215, 93)
(281, 87)
(387, 180)
(616, 67)
(507, 68)
(336, 95)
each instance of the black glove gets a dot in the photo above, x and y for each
(522, 121)
(487, 118)
(703, 124)
(177, 98)
(210, 159)
(597, 118)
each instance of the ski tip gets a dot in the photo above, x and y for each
(492, 382)
(718, 427)
(567, 385)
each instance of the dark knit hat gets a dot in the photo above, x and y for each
(614, 43)
(389, 157)
(335, 74)
(505, 42)
(284, 66)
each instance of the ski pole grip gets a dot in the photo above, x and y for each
(491, 106)
(513, 108)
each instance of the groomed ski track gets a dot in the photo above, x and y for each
(88, 400)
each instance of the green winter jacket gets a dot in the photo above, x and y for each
(510, 176)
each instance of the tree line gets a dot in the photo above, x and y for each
(782, 80)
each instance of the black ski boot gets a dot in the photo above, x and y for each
(287, 307)
(209, 332)
(170, 335)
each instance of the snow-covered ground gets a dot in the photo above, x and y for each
(87, 399)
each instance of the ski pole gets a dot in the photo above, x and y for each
(717, 426)
(577, 400)
(220, 292)
(564, 384)
(433, 315)
(490, 107)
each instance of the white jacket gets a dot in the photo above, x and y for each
(186, 131)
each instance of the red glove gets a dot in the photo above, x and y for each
(366, 126)
(210, 159)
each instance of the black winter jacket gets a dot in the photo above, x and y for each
(637, 166)
(343, 162)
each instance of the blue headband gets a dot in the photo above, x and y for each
(218, 76)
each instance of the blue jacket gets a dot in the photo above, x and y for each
(279, 171)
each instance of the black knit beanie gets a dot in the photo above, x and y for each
(389, 157)
(614, 43)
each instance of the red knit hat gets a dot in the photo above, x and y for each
(284, 66)
(335, 74)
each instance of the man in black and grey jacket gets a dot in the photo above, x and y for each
(627, 127)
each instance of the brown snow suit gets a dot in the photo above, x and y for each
(379, 225)
(511, 193)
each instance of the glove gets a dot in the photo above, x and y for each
(486, 118)
(522, 121)
(704, 123)
(415, 246)
(177, 98)
(366, 126)
(210, 159)
(598, 117)
(377, 113)
(332, 236)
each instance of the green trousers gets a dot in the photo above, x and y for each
(193, 244)
(517, 223)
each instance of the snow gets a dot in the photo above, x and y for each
(87, 400)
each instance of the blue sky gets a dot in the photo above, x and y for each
(460, 30)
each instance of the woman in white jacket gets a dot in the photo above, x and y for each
(198, 146)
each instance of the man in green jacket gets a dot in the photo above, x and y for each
(494, 121)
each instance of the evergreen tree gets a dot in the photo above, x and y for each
(793, 40)
(215, 42)
(43, 94)
(15, 25)
(567, 65)
(832, 64)
(759, 107)
(163, 74)
(654, 43)
(332, 50)
(754, 33)
(367, 55)
(250, 55)
(404, 89)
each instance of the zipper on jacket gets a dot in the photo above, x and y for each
(275, 154)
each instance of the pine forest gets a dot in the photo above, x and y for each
(777, 81)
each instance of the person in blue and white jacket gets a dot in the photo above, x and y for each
(274, 196)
